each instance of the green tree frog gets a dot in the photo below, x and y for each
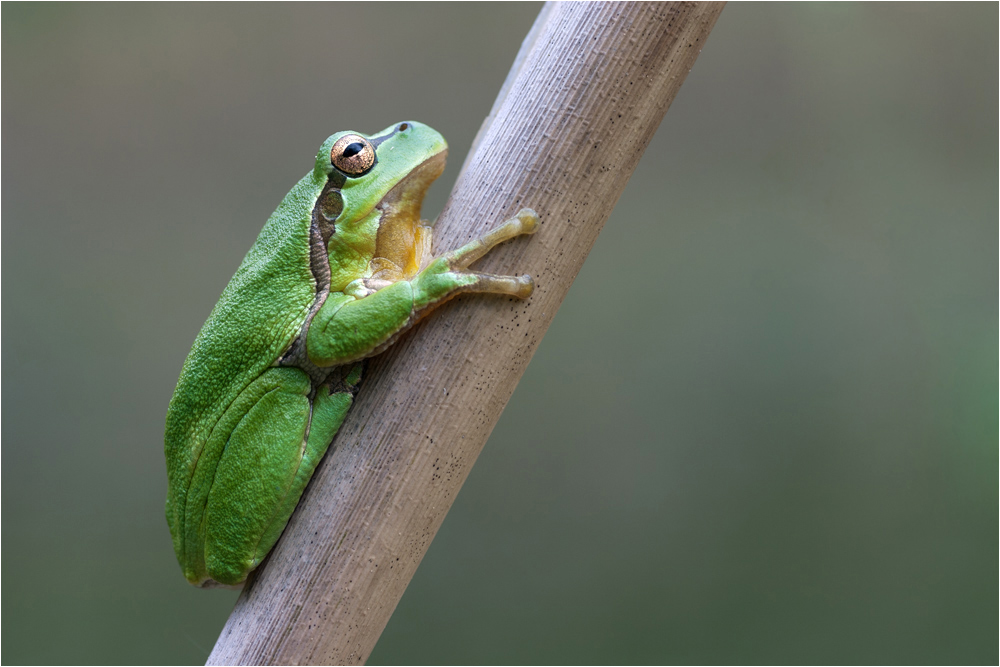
(341, 269)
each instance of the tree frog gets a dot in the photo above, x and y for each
(341, 269)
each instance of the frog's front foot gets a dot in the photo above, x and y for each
(519, 286)
(447, 276)
(525, 222)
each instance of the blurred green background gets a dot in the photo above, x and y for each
(791, 457)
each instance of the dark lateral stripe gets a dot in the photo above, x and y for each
(375, 141)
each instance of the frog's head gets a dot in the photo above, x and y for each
(394, 166)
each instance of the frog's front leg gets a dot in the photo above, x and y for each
(525, 222)
(348, 328)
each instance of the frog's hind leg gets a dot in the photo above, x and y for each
(262, 446)
(525, 222)
(283, 430)
(330, 404)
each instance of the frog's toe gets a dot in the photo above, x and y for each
(529, 220)
(526, 285)
(519, 286)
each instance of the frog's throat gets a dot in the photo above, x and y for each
(397, 237)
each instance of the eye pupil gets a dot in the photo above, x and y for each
(353, 149)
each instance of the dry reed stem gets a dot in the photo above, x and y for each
(588, 92)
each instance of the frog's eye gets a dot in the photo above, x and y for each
(352, 154)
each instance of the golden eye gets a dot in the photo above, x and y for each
(352, 154)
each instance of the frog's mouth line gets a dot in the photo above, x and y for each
(398, 238)
(412, 187)
(401, 204)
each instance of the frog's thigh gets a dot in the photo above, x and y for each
(329, 410)
(257, 470)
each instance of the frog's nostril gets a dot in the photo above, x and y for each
(404, 126)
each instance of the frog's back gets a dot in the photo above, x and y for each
(259, 314)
